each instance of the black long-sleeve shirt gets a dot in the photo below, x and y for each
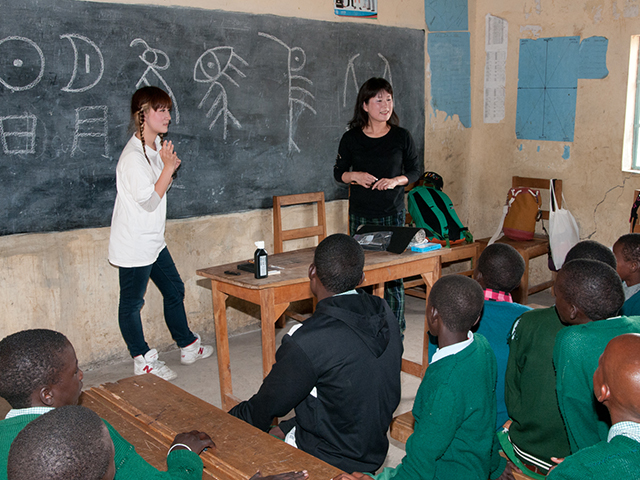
(385, 157)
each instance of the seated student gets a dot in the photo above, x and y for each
(537, 431)
(39, 371)
(627, 252)
(339, 369)
(67, 443)
(616, 383)
(455, 407)
(588, 294)
(499, 271)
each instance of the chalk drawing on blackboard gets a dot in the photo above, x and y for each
(211, 70)
(91, 122)
(297, 94)
(18, 134)
(151, 58)
(88, 70)
(351, 69)
(21, 58)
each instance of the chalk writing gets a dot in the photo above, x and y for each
(151, 57)
(209, 69)
(87, 63)
(15, 49)
(351, 69)
(91, 122)
(296, 60)
(18, 134)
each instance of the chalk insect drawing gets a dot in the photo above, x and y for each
(91, 122)
(351, 69)
(21, 54)
(18, 134)
(151, 58)
(209, 69)
(298, 95)
(73, 37)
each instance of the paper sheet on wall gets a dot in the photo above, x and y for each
(495, 70)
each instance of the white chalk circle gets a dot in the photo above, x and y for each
(14, 47)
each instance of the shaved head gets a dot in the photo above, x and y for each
(616, 382)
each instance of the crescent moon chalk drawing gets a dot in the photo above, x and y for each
(89, 70)
(26, 63)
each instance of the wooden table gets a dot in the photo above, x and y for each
(148, 412)
(274, 294)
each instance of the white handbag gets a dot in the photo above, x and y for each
(563, 229)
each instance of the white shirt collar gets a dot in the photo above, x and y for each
(627, 429)
(452, 349)
(16, 412)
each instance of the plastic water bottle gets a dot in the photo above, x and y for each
(260, 261)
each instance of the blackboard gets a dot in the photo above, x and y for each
(260, 104)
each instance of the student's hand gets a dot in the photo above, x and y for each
(277, 432)
(169, 157)
(507, 473)
(195, 440)
(353, 476)
(283, 476)
(557, 461)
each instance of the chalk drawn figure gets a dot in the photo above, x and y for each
(212, 68)
(23, 55)
(298, 95)
(89, 70)
(91, 122)
(152, 57)
(18, 134)
(351, 69)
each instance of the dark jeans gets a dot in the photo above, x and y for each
(393, 290)
(133, 285)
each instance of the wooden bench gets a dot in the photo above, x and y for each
(148, 412)
(402, 427)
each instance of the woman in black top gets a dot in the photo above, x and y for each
(377, 158)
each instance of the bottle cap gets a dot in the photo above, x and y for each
(260, 245)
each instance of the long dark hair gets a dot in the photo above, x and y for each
(368, 90)
(142, 100)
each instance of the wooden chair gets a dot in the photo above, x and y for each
(531, 248)
(280, 236)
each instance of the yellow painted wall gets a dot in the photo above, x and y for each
(63, 280)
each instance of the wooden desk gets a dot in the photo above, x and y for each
(148, 412)
(276, 292)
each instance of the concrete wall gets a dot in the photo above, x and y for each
(63, 280)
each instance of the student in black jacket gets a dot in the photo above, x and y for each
(339, 370)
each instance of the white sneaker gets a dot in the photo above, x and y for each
(150, 364)
(195, 351)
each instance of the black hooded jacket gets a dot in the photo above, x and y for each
(340, 370)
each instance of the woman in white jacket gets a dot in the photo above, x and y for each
(137, 247)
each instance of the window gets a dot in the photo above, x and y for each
(631, 146)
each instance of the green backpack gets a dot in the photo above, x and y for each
(432, 210)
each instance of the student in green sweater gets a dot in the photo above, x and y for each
(67, 443)
(616, 384)
(537, 431)
(591, 307)
(455, 407)
(627, 252)
(39, 372)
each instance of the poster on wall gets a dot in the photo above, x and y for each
(356, 8)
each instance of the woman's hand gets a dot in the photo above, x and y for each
(363, 179)
(169, 157)
(390, 183)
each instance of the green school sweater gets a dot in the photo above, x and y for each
(182, 464)
(619, 458)
(530, 386)
(576, 354)
(455, 412)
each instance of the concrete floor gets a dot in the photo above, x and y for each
(201, 378)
